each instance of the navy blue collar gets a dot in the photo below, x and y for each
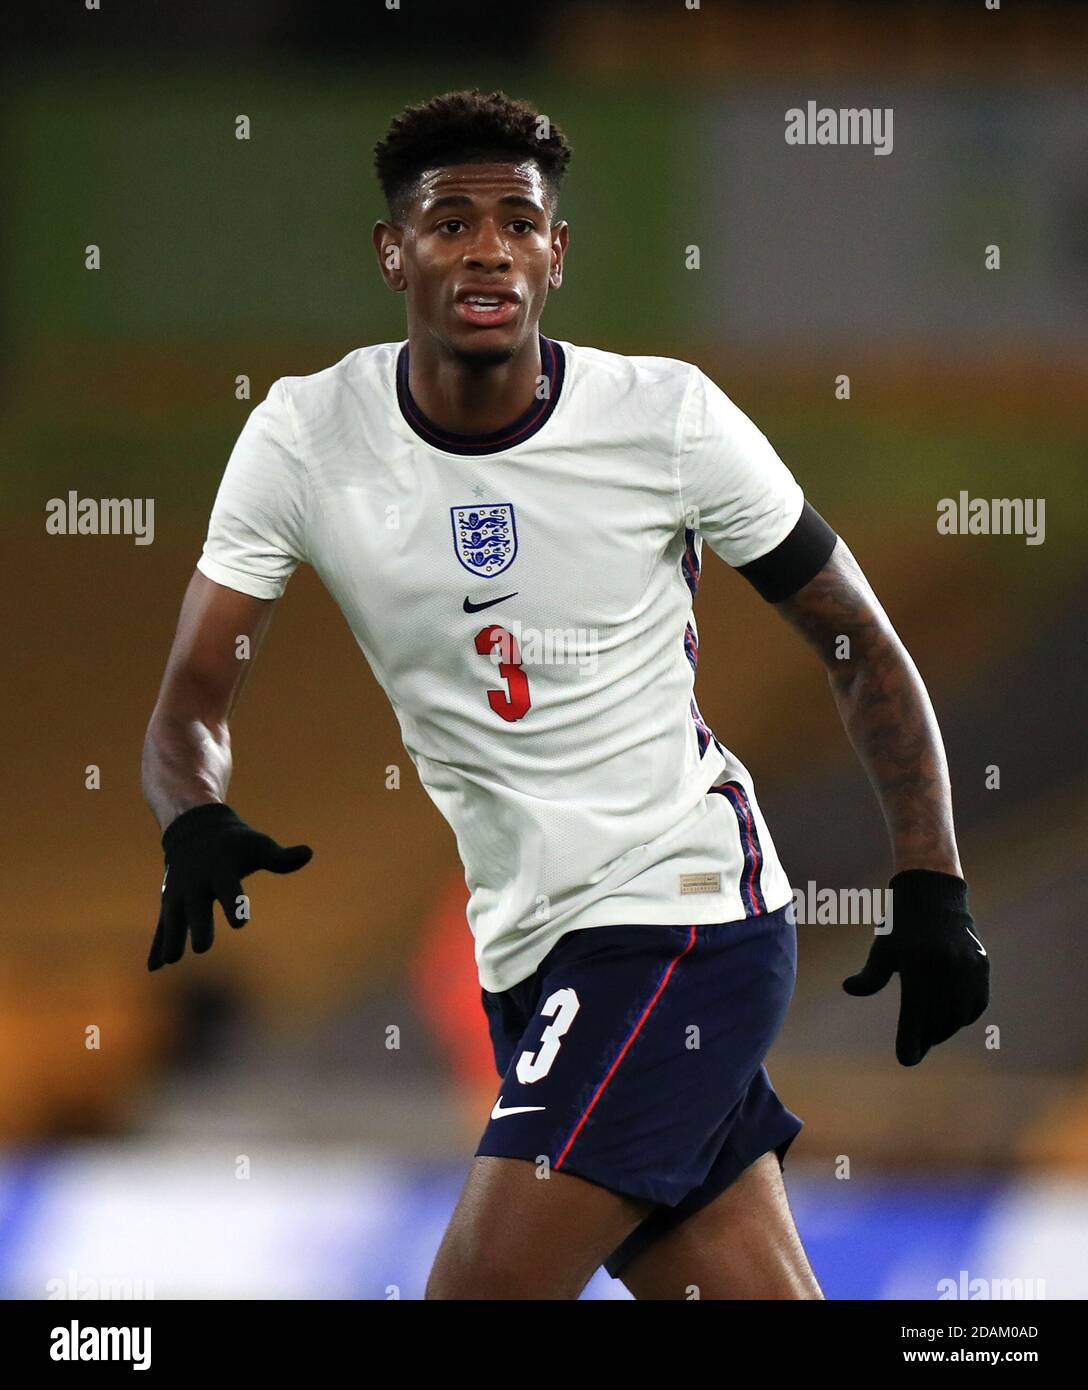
(553, 366)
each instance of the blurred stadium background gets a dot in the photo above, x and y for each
(223, 257)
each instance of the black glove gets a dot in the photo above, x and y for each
(209, 850)
(944, 972)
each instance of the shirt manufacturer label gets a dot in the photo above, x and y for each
(700, 883)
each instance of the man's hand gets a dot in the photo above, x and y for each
(944, 972)
(209, 850)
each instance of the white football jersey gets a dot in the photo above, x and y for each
(524, 598)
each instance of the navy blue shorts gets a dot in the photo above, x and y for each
(633, 1057)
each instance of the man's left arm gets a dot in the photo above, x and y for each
(888, 717)
(733, 488)
(884, 708)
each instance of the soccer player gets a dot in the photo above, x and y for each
(513, 527)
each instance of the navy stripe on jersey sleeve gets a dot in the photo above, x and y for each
(794, 561)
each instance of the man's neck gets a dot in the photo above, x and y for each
(464, 398)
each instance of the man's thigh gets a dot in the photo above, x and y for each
(516, 1234)
(744, 1245)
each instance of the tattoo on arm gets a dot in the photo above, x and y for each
(885, 710)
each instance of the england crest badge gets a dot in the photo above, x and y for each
(485, 538)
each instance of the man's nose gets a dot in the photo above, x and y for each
(488, 251)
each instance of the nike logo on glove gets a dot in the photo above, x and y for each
(471, 607)
(499, 1112)
(974, 938)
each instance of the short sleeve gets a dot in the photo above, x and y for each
(257, 531)
(734, 489)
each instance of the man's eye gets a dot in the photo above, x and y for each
(521, 224)
(451, 222)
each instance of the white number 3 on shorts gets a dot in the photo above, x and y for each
(561, 1007)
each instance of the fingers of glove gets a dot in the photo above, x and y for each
(979, 1004)
(172, 926)
(156, 956)
(945, 1024)
(912, 1033)
(940, 1007)
(257, 851)
(967, 993)
(286, 860)
(228, 892)
(198, 917)
(970, 1004)
(874, 974)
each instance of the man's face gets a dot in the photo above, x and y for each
(477, 254)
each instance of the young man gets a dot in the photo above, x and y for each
(513, 528)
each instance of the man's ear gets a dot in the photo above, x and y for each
(387, 239)
(560, 241)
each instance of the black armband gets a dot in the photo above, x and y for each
(794, 561)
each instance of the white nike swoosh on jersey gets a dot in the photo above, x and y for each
(974, 938)
(499, 1112)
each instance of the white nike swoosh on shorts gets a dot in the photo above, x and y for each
(499, 1112)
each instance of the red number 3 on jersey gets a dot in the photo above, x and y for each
(513, 702)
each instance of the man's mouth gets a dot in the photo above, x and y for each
(486, 308)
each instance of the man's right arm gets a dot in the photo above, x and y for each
(256, 535)
(187, 756)
(208, 848)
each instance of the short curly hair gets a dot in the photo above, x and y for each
(463, 128)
